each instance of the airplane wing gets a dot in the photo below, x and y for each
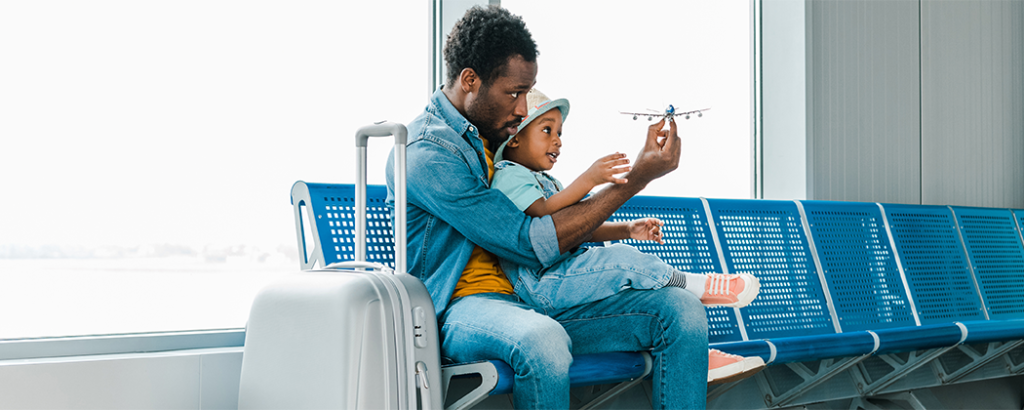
(678, 113)
(652, 115)
(643, 114)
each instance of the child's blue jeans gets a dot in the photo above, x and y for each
(588, 275)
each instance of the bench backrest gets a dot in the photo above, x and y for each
(689, 247)
(330, 238)
(767, 239)
(993, 242)
(855, 255)
(933, 259)
(824, 266)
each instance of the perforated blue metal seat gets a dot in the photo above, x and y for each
(843, 284)
(988, 331)
(767, 239)
(586, 370)
(805, 348)
(330, 207)
(933, 260)
(993, 242)
(689, 247)
(853, 249)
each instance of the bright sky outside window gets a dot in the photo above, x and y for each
(149, 149)
(626, 56)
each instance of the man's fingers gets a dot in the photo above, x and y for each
(662, 136)
(654, 130)
(657, 126)
(672, 138)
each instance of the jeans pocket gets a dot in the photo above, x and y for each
(528, 288)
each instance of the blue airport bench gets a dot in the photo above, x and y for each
(857, 299)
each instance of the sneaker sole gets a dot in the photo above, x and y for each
(736, 371)
(744, 298)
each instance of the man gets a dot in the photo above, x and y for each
(457, 228)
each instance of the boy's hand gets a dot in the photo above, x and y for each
(606, 168)
(646, 229)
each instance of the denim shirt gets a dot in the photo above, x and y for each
(450, 208)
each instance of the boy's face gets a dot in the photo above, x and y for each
(538, 145)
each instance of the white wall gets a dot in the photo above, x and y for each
(905, 101)
(864, 101)
(190, 379)
(972, 103)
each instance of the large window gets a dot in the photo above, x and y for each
(148, 148)
(607, 57)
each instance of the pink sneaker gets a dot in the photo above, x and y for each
(730, 290)
(724, 367)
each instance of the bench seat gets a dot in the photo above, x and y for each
(587, 370)
(870, 291)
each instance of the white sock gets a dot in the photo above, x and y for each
(696, 283)
(690, 281)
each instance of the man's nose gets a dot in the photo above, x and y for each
(521, 109)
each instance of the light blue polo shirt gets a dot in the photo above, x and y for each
(523, 185)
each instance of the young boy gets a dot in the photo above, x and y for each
(589, 275)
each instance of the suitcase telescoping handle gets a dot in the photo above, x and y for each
(382, 129)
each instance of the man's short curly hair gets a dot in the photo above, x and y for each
(484, 39)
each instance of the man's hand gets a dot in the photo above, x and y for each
(606, 168)
(660, 154)
(646, 229)
(576, 223)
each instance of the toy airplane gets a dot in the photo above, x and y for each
(669, 113)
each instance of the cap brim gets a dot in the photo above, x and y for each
(562, 104)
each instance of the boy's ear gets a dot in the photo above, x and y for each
(514, 142)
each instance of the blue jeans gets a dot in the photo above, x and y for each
(588, 275)
(670, 322)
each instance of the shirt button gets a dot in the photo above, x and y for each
(471, 128)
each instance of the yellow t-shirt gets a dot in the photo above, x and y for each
(483, 274)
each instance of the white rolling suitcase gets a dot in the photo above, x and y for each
(354, 335)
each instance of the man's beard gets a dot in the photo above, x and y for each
(478, 114)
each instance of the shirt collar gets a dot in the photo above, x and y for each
(452, 116)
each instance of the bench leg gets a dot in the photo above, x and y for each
(1013, 368)
(718, 391)
(916, 400)
(995, 350)
(489, 379)
(914, 361)
(828, 369)
(621, 387)
(859, 403)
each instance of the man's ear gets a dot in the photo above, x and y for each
(469, 81)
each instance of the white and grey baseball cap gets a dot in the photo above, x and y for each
(539, 104)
